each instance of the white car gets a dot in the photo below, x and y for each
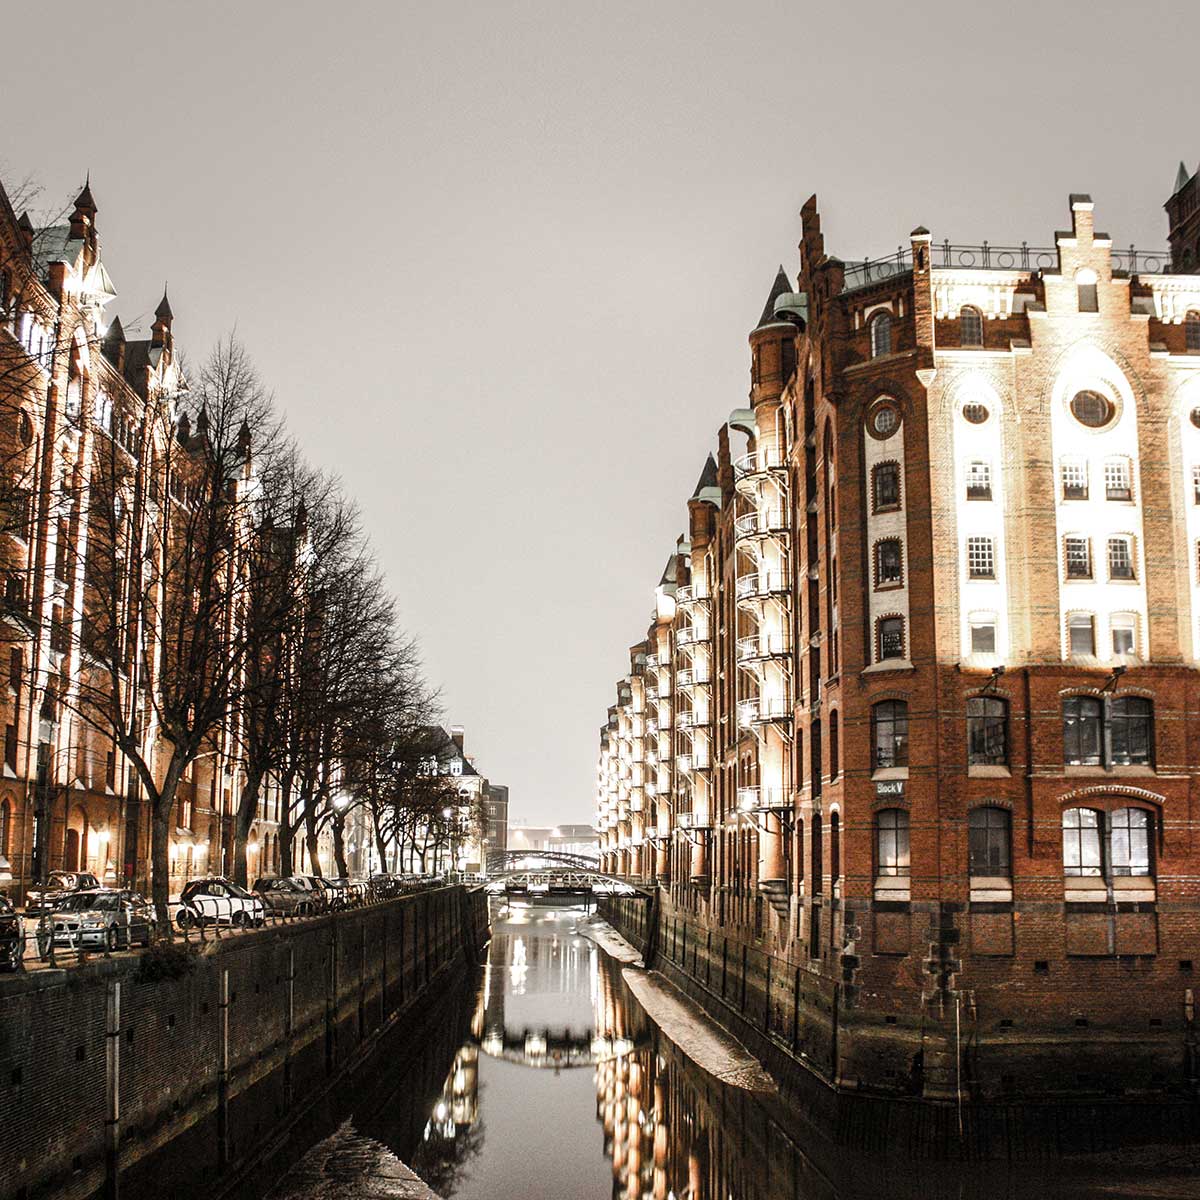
(218, 901)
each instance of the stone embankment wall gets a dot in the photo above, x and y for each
(797, 1024)
(102, 1073)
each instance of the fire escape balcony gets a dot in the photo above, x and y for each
(760, 799)
(759, 647)
(691, 820)
(766, 460)
(687, 721)
(761, 585)
(691, 635)
(693, 677)
(691, 593)
(770, 521)
(766, 710)
(696, 761)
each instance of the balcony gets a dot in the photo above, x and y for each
(652, 661)
(758, 799)
(762, 646)
(693, 720)
(687, 763)
(764, 711)
(759, 585)
(691, 820)
(691, 677)
(764, 461)
(691, 593)
(690, 635)
(768, 522)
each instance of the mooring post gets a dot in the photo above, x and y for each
(112, 1088)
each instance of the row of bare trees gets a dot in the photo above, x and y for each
(194, 589)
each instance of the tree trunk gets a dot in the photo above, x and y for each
(160, 865)
(339, 845)
(247, 808)
(310, 836)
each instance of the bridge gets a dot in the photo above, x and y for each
(557, 1049)
(551, 875)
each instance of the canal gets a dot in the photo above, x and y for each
(546, 1080)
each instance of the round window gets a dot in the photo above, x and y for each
(975, 412)
(1194, 417)
(886, 420)
(1091, 409)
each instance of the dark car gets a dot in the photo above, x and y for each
(286, 895)
(12, 936)
(218, 901)
(97, 919)
(56, 889)
(325, 896)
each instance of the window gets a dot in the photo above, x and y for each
(1098, 844)
(1123, 627)
(1085, 283)
(1131, 730)
(989, 841)
(1081, 634)
(1117, 733)
(1194, 417)
(889, 568)
(1077, 553)
(970, 326)
(5, 828)
(1091, 409)
(980, 558)
(1191, 327)
(885, 486)
(1117, 485)
(1120, 558)
(889, 734)
(881, 334)
(891, 637)
(891, 842)
(816, 775)
(974, 412)
(885, 420)
(835, 846)
(979, 480)
(1196, 485)
(987, 731)
(835, 759)
(983, 634)
(1074, 479)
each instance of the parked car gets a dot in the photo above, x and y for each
(218, 901)
(57, 888)
(101, 918)
(12, 936)
(286, 895)
(325, 896)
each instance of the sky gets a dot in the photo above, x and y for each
(498, 261)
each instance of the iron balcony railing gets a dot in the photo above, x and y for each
(757, 584)
(696, 761)
(764, 460)
(691, 593)
(759, 799)
(690, 677)
(763, 645)
(764, 710)
(691, 820)
(763, 522)
(689, 635)
(692, 720)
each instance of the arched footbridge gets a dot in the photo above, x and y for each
(552, 875)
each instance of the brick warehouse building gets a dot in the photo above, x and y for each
(74, 394)
(910, 742)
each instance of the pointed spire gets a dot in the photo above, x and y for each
(781, 287)
(84, 201)
(243, 441)
(708, 477)
(185, 428)
(202, 421)
(1181, 178)
(163, 311)
(115, 331)
(114, 344)
(301, 515)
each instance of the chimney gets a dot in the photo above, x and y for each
(456, 734)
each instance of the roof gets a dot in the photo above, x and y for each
(54, 244)
(781, 287)
(445, 747)
(708, 477)
(1181, 179)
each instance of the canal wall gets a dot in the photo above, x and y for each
(106, 1074)
(800, 1026)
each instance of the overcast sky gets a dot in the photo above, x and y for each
(498, 260)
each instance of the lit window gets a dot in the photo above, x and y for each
(881, 334)
(891, 842)
(889, 569)
(1123, 628)
(971, 326)
(989, 841)
(1074, 479)
(979, 481)
(885, 478)
(1129, 841)
(1191, 326)
(981, 563)
(1078, 555)
(891, 637)
(1085, 282)
(1091, 409)
(983, 635)
(1117, 484)
(889, 734)
(1098, 845)
(1081, 842)
(1081, 634)
(987, 731)
(1120, 558)
(974, 412)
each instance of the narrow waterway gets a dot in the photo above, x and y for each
(545, 1080)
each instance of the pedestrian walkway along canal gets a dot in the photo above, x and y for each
(550, 1082)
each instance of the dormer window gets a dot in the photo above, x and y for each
(970, 323)
(881, 334)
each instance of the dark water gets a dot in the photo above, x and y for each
(549, 1082)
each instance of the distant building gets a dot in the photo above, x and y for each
(567, 839)
(495, 825)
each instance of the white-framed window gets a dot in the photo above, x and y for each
(1120, 557)
(970, 326)
(1123, 627)
(981, 558)
(979, 480)
(1074, 479)
(881, 334)
(1077, 556)
(983, 633)
(1081, 634)
(1118, 479)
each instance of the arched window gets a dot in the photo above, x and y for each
(970, 323)
(881, 334)
(1081, 842)
(1107, 845)
(885, 486)
(817, 873)
(1191, 330)
(835, 754)
(891, 638)
(1083, 730)
(5, 828)
(987, 731)
(989, 841)
(835, 847)
(891, 843)
(1129, 841)
(1085, 283)
(889, 563)
(1131, 730)
(889, 734)
(814, 756)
